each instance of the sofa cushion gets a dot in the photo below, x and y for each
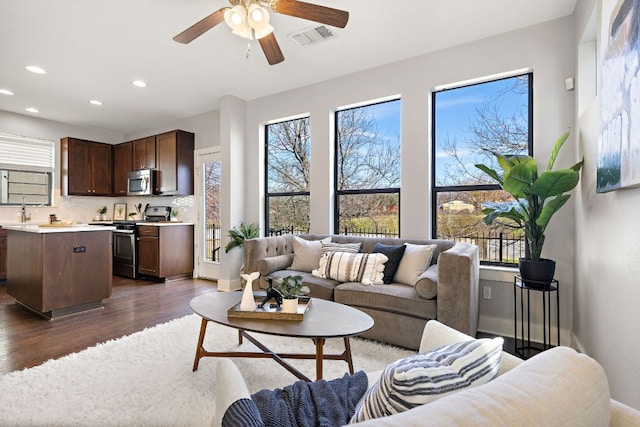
(349, 267)
(393, 298)
(320, 288)
(306, 253)
(353, 248)
(414, 262)
(394, 253)
(427, 284)
(422, 378)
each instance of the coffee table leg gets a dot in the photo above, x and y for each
(239, 336)
(200, 348)
(319, 356)
(347, 351)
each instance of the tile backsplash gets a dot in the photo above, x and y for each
(83, 209)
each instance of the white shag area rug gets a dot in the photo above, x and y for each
(146, 379)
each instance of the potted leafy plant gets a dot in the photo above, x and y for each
(290, 287)
(537, 199)
(102, 211)
(240, 234)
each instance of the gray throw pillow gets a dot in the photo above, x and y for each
(414, 262)
(394, 255)
(306, 253)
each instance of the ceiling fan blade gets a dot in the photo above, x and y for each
(201, 27)
(313, 12)
(271, 49)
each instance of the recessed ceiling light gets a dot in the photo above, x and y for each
(95, 102)
(139, 83)
(6, 92)
(35, 69)
(32, 110)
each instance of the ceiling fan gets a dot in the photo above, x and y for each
(250, 19)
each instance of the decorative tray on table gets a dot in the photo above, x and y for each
(270, 311)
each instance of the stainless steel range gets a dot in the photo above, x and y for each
(125, 238)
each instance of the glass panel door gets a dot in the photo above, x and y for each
(209, 170)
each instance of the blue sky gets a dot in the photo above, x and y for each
(456, 110)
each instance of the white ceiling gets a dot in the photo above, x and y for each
(93, 49)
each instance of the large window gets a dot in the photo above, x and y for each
(26, 170)
(367, 170)
(469, 124)
(288, 148)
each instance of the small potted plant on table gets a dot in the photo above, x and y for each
(290, 287)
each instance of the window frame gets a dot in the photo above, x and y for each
(435, 189)
(268, 195)
(337, 192)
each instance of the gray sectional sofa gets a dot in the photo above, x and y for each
(447, 290)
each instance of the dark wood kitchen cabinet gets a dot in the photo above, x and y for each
(3, 254)
(86, 167)
(122, 165)
(165, 251)
(58, 273)
(174, 162)
(144, 153)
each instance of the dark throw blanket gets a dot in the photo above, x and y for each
(302, 404)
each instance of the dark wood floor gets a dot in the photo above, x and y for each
(27, 340)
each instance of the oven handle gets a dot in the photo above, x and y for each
(124, 231)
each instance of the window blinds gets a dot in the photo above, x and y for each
(25, 153)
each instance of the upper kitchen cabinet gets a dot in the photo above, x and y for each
(86, 167)
(122, 165)
(144, 153)
(174, 162)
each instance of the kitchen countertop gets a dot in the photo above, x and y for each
(35, 228)
(164, 224)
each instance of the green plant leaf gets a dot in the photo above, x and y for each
(511, 210)
(556, 149)
(493, 174)
(550, 208)
(553, 183)
(517, 180)
(240, 234)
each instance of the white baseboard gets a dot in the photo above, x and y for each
(229, 285)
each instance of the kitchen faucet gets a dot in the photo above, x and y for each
(23, 211)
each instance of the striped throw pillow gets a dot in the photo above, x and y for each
(423, 378)
(365, 268)
(353, 248)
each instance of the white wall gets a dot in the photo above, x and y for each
(607, 271)
(546, 49)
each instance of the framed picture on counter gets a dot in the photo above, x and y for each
(119, 211)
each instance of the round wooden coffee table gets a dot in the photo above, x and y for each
(323, 320)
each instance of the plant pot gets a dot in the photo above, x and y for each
(290, 305)
(537, 274)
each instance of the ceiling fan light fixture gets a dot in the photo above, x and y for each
(235, 17)
(259, 18)
(257, 14)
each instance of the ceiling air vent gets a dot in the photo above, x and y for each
(312, 35)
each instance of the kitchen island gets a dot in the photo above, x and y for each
(59, 270)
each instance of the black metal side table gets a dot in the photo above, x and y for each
(526, 349)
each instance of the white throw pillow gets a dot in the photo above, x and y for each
(423, 378)
(353, 248)
(365, 268)
(414, 262)
(306, 253)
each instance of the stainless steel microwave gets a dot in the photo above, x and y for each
(141, 182)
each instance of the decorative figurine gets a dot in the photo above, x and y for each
(271, 293)
(248, 303)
